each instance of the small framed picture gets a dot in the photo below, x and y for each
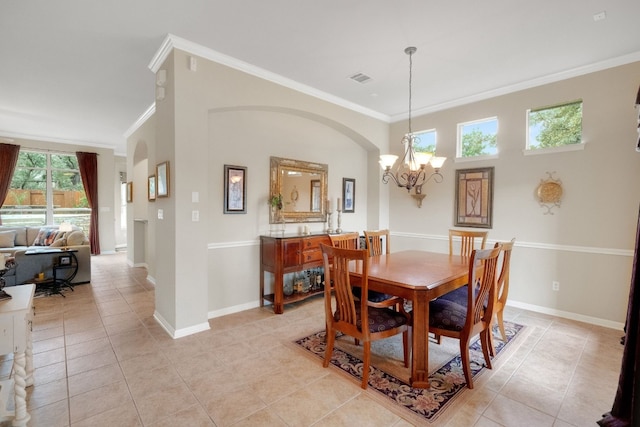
(235, 189)
(129, 192)
(151, 188)
(349, 195)
(64, 260)
(162, 179)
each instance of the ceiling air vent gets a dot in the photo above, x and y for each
(360, 78)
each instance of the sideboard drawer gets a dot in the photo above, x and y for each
(312, 255)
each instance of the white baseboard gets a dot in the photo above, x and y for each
(179, 333)
(234, 309)
(566, 315)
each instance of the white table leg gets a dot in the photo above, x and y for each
(22, 416)
(29, 357)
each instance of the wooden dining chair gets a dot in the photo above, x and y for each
(377, 299)
(377, 242)
(467, 240)
(503, 285)
(467, 245)
(351, 314)
(460, 294)
(465, 320)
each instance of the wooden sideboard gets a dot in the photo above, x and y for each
(288, 254)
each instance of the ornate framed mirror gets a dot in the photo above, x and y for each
(302, 187)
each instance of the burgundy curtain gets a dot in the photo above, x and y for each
(88, 164)
(626, 405)
(8, 159)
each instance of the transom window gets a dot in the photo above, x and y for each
(555, 126)
(478, 138)
(46, 189)
(426, 142)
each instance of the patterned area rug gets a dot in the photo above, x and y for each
(389, 378)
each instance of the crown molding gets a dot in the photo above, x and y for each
(174, 42)
(140, 121)
(552, 78)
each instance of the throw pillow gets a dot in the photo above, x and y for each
(45, 237)
(58, 243)
(7, 239)
(75, 238)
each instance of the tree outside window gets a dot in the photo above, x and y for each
(555, 126)
(478, 138)
(46, 189)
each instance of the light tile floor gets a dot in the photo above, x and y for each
(101, 360)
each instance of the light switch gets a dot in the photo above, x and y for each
(195, 216)
(160, 214)
(195, 197)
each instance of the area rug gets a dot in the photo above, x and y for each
(389, 378)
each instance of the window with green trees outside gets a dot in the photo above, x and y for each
(46, 189)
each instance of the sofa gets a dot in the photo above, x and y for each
(15, 241)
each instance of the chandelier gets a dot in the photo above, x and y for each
(411, 171)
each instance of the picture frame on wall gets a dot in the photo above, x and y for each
(162, 179)
(129, 192)
(474, 198)
(235, 189)
(151, 188)
(348, 195)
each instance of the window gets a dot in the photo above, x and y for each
(478, 138)
(46, 189)
(426, 142)
(555, 126)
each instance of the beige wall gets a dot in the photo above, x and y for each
(107, 181)
(217, 115)
(586, 244)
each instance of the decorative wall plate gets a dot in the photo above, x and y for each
(549, 193)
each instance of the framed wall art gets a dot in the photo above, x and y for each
(162, 179)
(151, 188)
(129, 192)
(349, 195)
(474, 198)
(235, 189)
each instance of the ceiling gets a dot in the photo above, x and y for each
(78, 71)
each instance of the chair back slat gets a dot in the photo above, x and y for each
(377, 242)
(467, 241)
(503, 278)
(345, 241)
(481, 297)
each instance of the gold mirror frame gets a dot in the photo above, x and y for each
(317, 171)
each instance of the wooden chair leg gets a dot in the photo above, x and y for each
(405, 347)
(487, 345)
(331, 336)
(501, 325)
(366, 363)
(466, 367)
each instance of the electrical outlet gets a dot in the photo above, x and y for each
(555, 285)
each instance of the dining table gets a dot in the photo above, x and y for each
(417, 276)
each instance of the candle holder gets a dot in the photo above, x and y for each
(329, 223)
(339, 229)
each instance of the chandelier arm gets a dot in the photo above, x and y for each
(385, 178)
(437, 177)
